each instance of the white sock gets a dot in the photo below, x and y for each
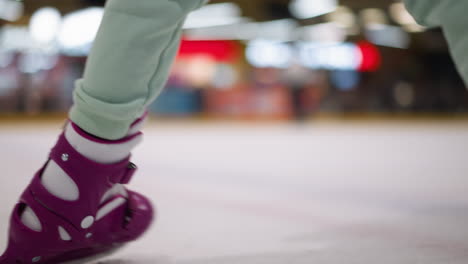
(102, 152)
(58, 183)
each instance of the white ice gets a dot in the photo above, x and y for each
(325, 193)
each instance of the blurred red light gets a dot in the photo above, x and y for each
(371, 58)
(219, 50)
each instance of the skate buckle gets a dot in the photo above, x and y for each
(130, 171)
(126, 176)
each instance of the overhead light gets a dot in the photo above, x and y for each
(268, 53)
(324, 33)
(371, 17)
(390, 36)
(11, 10)
(278, 30)
(45, 24)
(214, 15)
(414, 28)
(340, 56)
(225, 32)
(79, 29)
(16, 38)
(211, 22)
(343, 16)
(400, 14)
(304, 9)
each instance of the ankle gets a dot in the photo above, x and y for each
(101, 150)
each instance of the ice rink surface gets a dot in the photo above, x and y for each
(327, 193)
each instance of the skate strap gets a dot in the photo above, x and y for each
(92, 179)
(64, 154)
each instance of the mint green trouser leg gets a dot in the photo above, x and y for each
(129, 63)
(452, 16)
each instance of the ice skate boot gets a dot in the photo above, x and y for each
(76, 208)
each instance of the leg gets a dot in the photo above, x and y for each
(121, 76)
(76, 205)
(451, 16)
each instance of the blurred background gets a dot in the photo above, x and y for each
(345, 191)
(263, 59)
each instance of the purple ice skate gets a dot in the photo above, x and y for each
(83, 228)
